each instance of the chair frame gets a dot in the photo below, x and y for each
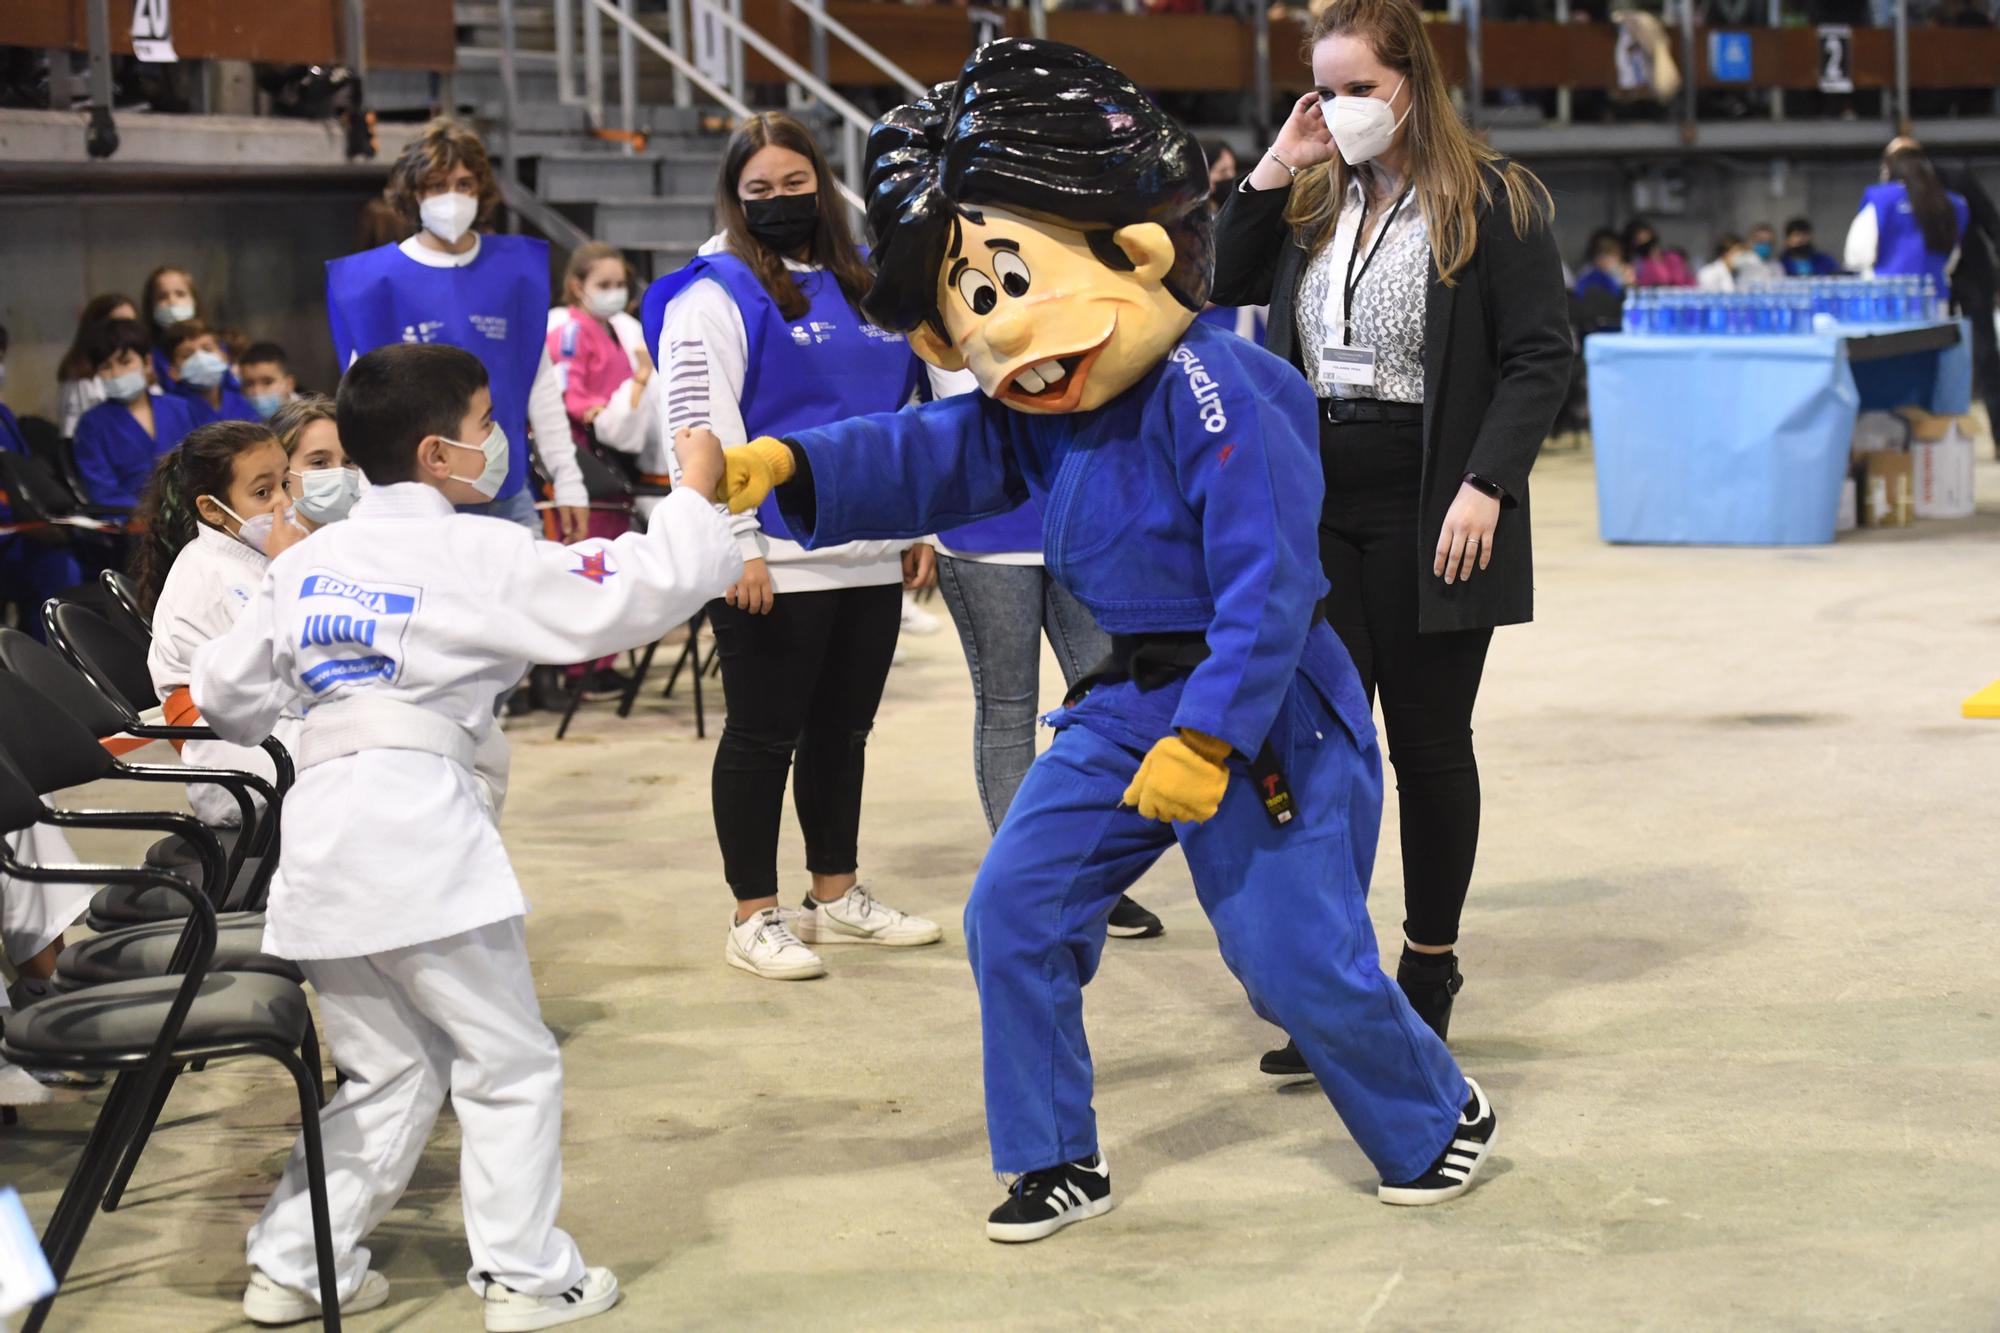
(142, 1079)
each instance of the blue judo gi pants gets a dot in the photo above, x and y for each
(1289, 907)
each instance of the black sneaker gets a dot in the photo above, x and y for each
(1043, 1202)
(1129, 921)
(1451, 1174)
(1286, 1062)
(603, 684)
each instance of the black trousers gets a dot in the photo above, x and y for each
(804, 679)
(1428, 682)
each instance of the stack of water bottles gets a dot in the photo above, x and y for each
(1787, 306)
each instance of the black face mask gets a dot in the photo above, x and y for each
(785, 222)
(1218, 193)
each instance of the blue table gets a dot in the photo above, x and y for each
(1743, 441)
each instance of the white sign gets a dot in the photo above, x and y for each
(153, 32)
(1836, 58)
(711, 43)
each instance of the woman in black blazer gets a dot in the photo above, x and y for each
(1412, 275)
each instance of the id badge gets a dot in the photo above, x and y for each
(1353, 366)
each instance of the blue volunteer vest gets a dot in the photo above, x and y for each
(827, 365)
(496, 308)
(1899, 244)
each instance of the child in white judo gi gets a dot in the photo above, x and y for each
(394, 631)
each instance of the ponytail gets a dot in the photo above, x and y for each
(203, 464)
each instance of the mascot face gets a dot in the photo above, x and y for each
(1043, 323)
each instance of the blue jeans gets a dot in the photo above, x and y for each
(1001, 612)
(1290, 911)
(516, 508)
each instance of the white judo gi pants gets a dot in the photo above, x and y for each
(408, 1027)
(33, 915)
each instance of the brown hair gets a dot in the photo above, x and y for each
(180, 335)
(1453, 172)
(1904, 161)
(444, 144)
(289, 422)
(75, 365)
(583, 259)
(833, 244)
(152, 298)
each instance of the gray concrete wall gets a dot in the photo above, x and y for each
(257, 256)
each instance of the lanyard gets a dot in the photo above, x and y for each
(1352, 282)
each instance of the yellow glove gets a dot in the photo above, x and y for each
(752, 471)
(1183, 777)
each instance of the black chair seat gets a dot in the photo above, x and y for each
(118, 906)
(144, 951)
(173, 851)
(124, 1017)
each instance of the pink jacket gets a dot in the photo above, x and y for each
(596, 372)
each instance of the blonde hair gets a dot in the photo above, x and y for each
(583, 259)
(1452, 171)
(289, 422)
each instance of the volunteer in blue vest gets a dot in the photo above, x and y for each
(488, 294)
(1909, 224)
(762, 335)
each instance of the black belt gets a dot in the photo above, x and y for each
(1152, 660)
(1340, 411)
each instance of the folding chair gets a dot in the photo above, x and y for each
(252, 855)
(141, 1030)
(124, 596)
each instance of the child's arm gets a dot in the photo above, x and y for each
(237, 680)
(554, 603)
(95, 465)
(892, 476)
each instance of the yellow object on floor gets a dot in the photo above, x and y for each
(1984, 703)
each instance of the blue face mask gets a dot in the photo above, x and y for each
(267, 404)
(204, 369)
(1763, 249)
(124, 388)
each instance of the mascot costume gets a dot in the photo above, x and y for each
(1042, 223)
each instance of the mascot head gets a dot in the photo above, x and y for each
(1040, 222)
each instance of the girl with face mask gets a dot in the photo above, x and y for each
(213, 515)
(77, 386)
(169, 298)
(488, 294)
(321, 481)
(1415, 282)
(118, 440)
(762, 333)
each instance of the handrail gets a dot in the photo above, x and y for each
(526, 203)
(817, 13)
(785, 64)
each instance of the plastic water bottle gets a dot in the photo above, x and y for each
(1930, 298)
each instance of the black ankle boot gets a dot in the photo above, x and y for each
(1430, 981)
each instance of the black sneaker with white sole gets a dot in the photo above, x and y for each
(1285, 1062)
(1129, 921)
(1451, 1174)
(1043, 1202)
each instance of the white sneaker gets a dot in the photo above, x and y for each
(916, 620)
(766, 946)
(20, 1088)
(509, 1311)
(268, 1302)
(857, 918)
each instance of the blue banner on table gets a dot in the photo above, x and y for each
(1729, 57)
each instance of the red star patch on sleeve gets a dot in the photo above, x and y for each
(596, 567)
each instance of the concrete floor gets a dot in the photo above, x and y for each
(1725, 960)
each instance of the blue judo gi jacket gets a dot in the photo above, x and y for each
(1191, 502)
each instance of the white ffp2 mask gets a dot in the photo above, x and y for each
(606, 301)
(448, 216)
(1363, 127)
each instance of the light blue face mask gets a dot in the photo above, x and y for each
(205, 369)
(267, 404)
(124, 388)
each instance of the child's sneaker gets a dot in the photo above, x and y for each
(510, 1311)
(857, 918)
(764, 945)
(1129, 921)
(268, 1302)
(1044, 1202)
(1451, 1174)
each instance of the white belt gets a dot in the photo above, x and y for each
(350, 726)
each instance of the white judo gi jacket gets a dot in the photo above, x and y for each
(393, 633)
(211, 581)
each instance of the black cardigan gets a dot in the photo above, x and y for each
(1498, 356)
